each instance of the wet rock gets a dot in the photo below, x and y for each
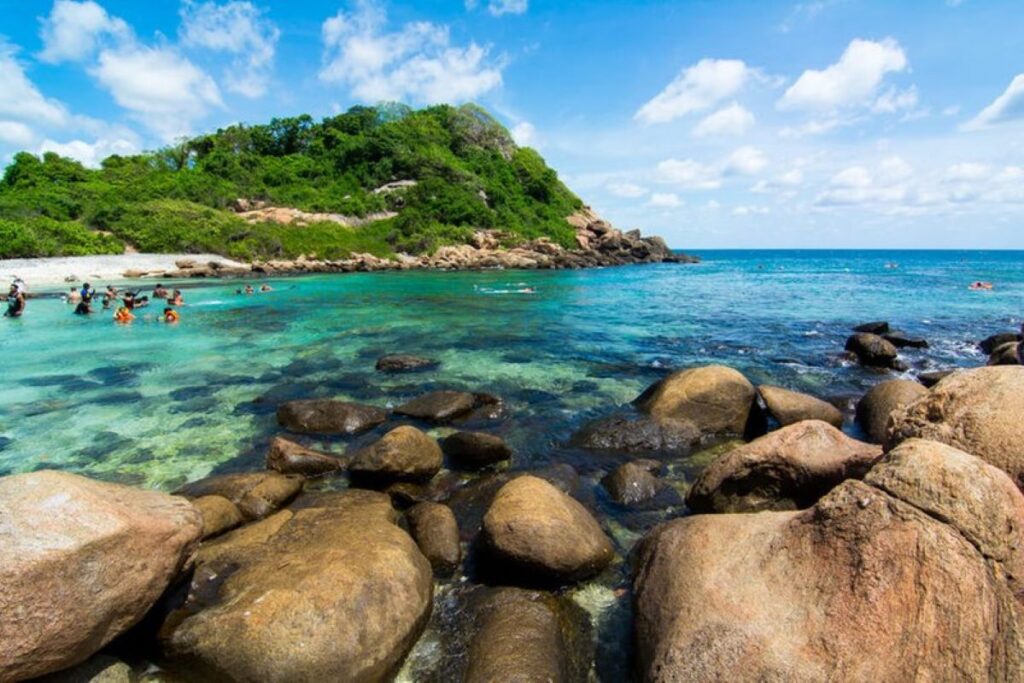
(400, 362)
(219, 515)
(475, 450)
(405, 494)
(877, 327)
(287, 457)
(331, 592)
(980, 411)
(838, 592)
(436, 532)
(635, 483)
(256, 494)
(717, 400)
(98, 669)
(444, 406)
(872, 351)
(787, 469)
(637, 434)
(535, 533)
(990, 344)
(1006, 354)
(82, 561)
(902, 340)
(404, 453)
(874, 409)
(327, 416)
(933, 377)
(788, 407)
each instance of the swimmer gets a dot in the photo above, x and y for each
(176, 299)
(15, 302)
(171, 315)
(266, 288)
(160, 292)
(249, 289)
(123, 315)
(73, 297)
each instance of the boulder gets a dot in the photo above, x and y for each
(787, 469)
(436, 532)
(443, 406)
(877, 327)
(933, 377)
(219, 515)
(875, 407)
(866, 585)
(401, 362)
(331, 590)
(637, 434)
(534, 533)
(634, 483)
(903, 340)
(287, 457)
(872, 351)
(256, 494)
(82, 561)
(788, 406)
(99, 669)
(990, 344)
(475, 450)
(404, 453)
(1005, 354)
(717, 400)
(980, 411)
(327, 416)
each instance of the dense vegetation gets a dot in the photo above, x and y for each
(469, 175)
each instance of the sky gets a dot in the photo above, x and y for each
(716, 124)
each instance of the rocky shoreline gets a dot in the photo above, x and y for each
(797, 552)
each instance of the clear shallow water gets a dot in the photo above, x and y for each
(158, 405)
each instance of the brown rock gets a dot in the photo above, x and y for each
(715, 399)
(327, 416)
(635, 484)
(82, 561)
(401, 362)
(637, 434)
(875, 407)
(872, 350)
(404, 453)
(475, 450)
(788, 407)
(219, 515)
(436, 532)
(287, 457)
(98, 669)
(1005, 355)
(439, 406)
(787, 469)
(256, 494)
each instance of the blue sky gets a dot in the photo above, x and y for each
(830, 123)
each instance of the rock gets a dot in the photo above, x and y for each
(405, 494)
(99, 669)
(441, 406)
(788, 407)
(256, 494)
(404, 453)
(863, 586)
(436, 532)
(872, 350)
(787, 469)
(875, 407)
(717, 400)
(1005, 354)
(400, 362)
(879, 327)
(535, 533)
(185, 264)
(219, 515)
(633, 483)
(980, 411)
(327, 416)
(475, 450)
(990, 344)
(330, 592)
(902, 340)
(634, 434)
(933, 377)
(82, 561)
(287, 457)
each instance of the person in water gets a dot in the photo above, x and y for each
(85, 305)
(15, 302)
(73, 296)
(249, 289)
(128, 301)
(123, 315)
(171, 315)
(266, 288)
(176, 299)
(160, 292)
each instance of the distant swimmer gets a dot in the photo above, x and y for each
(980, 286)
(123, 315)
(160, 292)
(266, 288)
(176, 299)
(249, 289)
(15, 302)
(171, 315)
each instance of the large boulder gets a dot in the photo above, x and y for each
(404, 453)
(257, 494)
(717, 400)
(875, 407)
(980, 411)
(534, 533)
(895, 581)
(436, 532)
(328, 416)
(873, 351)
(637, 434)
(81, 562)
(788, 407)
(787, 469)
(329, 590)
(475, 450)
(287, 457)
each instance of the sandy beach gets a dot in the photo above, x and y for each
(48, 273)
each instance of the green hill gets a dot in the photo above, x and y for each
(468, 174)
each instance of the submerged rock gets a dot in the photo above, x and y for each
(717, 400)
(404, 453)
(219, 515)
(873, 351)
(875, 407)
(400, 362)
(330, 592)
(886, 579)
(436, 532)
(787, 469)
(637, 434)
(444, 406)
(287, 457)
(788, 407)
(82, 561)
(475, 450)
(534, 533)
(256, 494)
(327, 416)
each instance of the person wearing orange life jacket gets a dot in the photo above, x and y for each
(171, 315)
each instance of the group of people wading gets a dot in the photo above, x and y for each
(83, 298)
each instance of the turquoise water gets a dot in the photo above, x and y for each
(158, 405)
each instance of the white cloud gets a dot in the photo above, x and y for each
(15, 133)
(627, 190)
(967, 171)
(91, 154)
(164, 90)
(524, 134)
(894, 100)
(731, 120)
(785, 181)
(689, 174)
(73, 30)
(666, 201)
(746, 161)
(19, 97)
(850, 82)
(1007, 107)
(696, 88)
(416, 63)
(237, 28)
(894, 169)
(852, 177)
(750, 210)
(499, 7)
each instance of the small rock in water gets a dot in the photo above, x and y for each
(475, 450)
(436, 532)
(637, 434)
(878, 327)
(400, 362)
(327, 416)
(633, 482)
(990, 344)
(1005, 354)
(287, 457)
(873, 351)
(902, 340)
(444, 406)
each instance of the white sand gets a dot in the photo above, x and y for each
(47, 273)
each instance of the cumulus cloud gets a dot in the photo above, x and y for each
(750, 210)
(15, 133)
(732, 120)
(746, 160)
(499, 7)
(689, 174)
(524, 134)
(20, 98)
(1007, 107)
(783, 182)
(73, 30)
(851, 82)
(667, 200)
(416, 62)
(627, 190)
(92, 153)
(696, 88)
(239, 29)
(967, 171)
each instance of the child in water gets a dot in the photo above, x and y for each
(171, 315)
(123, 315)
(176, 299)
